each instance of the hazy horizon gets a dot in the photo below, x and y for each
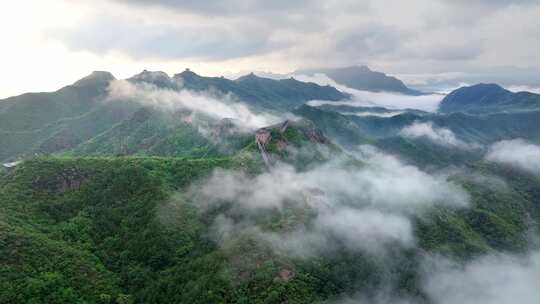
(427, 44)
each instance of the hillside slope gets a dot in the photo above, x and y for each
(488, 98)
(129, 230)
(43, 123)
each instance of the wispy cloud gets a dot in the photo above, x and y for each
(440, 136)
(493, 279)
(383, 99)
(517, 153)
(355, 206)
(378, 114)
(524, 88)
(226, 106)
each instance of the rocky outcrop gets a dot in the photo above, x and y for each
(68, 179)
(277, 136)
(263, 137)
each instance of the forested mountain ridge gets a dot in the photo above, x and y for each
(488, 98)
(140, 235)
(146, 191)
(363, 78)
(42, 123)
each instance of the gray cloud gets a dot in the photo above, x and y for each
(171, 41)
(368, 40)
(414, 37)
(220, 7)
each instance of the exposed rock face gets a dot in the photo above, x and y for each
(263, 137)
(225, 127)
(285, 275)
(316, 135)
(66, 180)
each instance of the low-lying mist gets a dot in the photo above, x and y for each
(517, 153)
(493, 279)
(365, 207)
(388, 100)
(437, 135)
(206, 103)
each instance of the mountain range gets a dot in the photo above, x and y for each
(364, 79)
(51, 122)
(124, 200)
(488, 98)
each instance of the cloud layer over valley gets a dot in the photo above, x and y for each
(388, 100)
(355, 206)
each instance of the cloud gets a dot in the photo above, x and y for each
(366, 228)
(517, 153)
(524, 88)
(379, 297)
(382, 99)
(414, 37)
(203, 103)
(234, 7)
(367, 113)
(512, 78)
(355, 206)
(371, 38)
(367, 186)
(493, 279)
(167, 40)
(440, 136)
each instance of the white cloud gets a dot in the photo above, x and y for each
(378, 114)
(492, 279)
(217, 107)
(523, 88)
(366, 228)
(355, 205)
(412, 189)
(516, 152)
(366, 99)
(441, 136)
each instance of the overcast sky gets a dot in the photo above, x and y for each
(49, 43)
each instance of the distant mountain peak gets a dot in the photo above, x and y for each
(487, 97)
(187, 74)
(150, 76)
(157, 78)
(485, 86)
(364, 67)
(96, 77)
(250, 76)
(363, 78)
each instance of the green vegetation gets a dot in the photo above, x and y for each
(123, 230)
(488, 98)
(108, 212)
